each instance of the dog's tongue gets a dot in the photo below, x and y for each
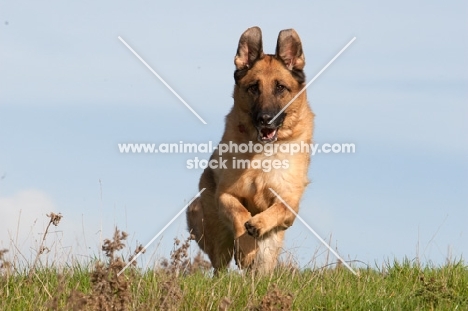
(268, 133)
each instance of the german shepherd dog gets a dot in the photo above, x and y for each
(237, 214)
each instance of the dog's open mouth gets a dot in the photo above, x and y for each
(267, 135)
(268, 126)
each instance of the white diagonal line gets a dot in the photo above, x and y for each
(313, 79)
(162, 80)
(315, 233)
(160, 232)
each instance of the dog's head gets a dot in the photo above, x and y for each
(266, 84)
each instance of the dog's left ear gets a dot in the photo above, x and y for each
(289, 49)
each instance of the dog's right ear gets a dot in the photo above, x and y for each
(250, 48)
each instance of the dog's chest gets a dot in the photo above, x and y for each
(254, 189)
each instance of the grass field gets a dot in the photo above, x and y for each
(183, 283)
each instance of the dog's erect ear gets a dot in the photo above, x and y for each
(250, 48)
(289, 49)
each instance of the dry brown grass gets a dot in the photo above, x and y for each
(109, 290)
(180, 262)
(275, 300)
(5, 264)
(54, 220)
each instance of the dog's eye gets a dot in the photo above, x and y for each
(253, 89)
(280, 88)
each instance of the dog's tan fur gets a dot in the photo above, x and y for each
(237, 214)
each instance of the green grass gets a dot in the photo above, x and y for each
(184, 283)
(401, 286)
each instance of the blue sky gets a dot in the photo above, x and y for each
(70, 91)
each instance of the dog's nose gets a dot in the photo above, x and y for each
(264, 118)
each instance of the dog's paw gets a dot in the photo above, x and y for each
(252, 230)
(254, 227)
(245, 251)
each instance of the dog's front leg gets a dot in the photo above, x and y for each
(277, 216)
(235, 215)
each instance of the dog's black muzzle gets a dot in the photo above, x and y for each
(267, 125)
